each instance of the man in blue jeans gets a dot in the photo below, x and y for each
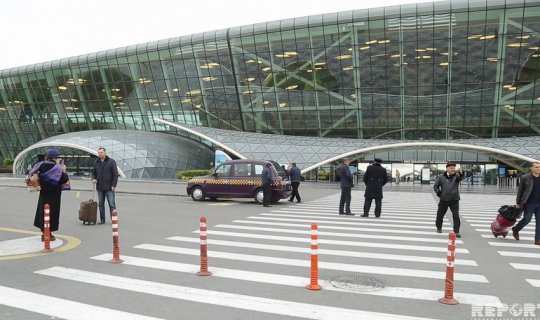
(528, 198)
(105, 177)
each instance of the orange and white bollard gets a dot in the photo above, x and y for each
(204, 249)
(449, 281)
(116, 248)
(314, 285)
(46, 229)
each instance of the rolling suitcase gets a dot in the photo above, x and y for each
(88, 212)
(501, 225)
(505, 220)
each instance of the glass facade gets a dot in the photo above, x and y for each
(138, 154)
(444, 70)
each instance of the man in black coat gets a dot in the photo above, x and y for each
(105, 177)
(295, 174)
(346, 179)
(266, 178)
(374, 179)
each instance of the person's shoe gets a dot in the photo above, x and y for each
(458, 235)
(299, 200)
(537, 242)
(377, 216)
(290, 200)
(439, 230)
(516, 235)
(266, 205)
(101, 222)
(349, 214)
(364, 215)
(342, 213)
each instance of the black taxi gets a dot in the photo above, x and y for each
(239, 179)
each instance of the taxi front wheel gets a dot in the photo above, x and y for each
(259, 196)
(197, 194)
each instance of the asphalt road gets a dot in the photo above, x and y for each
(387, 268)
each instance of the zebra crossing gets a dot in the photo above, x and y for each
(262, 263)
(524, 253)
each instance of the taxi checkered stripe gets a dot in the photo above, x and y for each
(236, 182)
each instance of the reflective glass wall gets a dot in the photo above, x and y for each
(443, 70)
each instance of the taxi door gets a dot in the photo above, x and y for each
(218, 183)
(242, 179)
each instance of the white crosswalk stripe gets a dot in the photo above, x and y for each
(481, 212)
(274, 306)
(272, 249)
(366, 255)
(395, 292)
(323, 265)
(61, 308)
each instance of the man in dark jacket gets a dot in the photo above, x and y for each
(528, 198)
(447, 189)
(374, 179)
(346, 179)
(294, 175)
(266, 177)
(105, 177)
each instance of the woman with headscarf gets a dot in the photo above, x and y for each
(52, 174)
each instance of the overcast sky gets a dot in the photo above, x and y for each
(33, 31)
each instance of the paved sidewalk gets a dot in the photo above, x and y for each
(178, 187)
(167, 188)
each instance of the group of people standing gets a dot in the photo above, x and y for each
(375, 178)
(446, 187)
(53, 174)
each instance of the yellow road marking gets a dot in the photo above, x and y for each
(70, 243)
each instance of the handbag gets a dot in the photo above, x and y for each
(32, 183)
(66, 186)
(510, 212)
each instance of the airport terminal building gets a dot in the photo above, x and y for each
(416, 85)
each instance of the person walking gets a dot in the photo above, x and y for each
(52, 174)
(266, 177)
(447, 189)
(528, 198)
(374, 179)
(105, 177)
(398, 176)
(346, 179)
(469, 176)
(286, 170)
(294, 174)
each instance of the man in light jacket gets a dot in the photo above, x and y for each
(447, 189)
